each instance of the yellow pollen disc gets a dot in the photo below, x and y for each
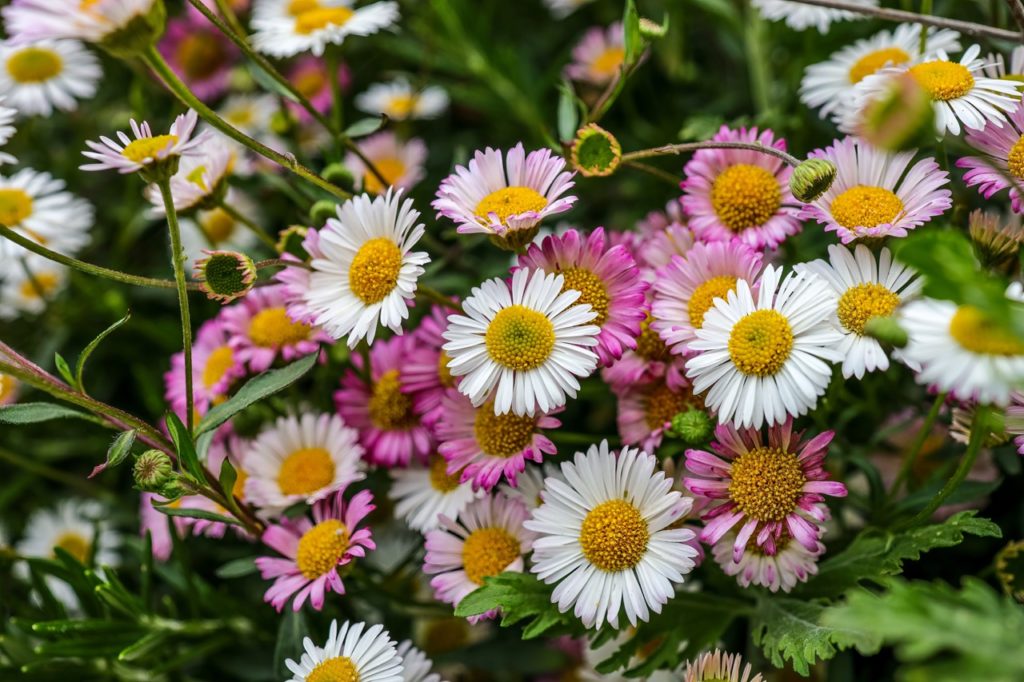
(272, 328)
(15, 206)
(661, 404)
(34, 65)
(218, 225)
(147, 148)
(487, 552)
(865, 206)
(241, 117)
(238, 490)
(745, 196)
(400, 106)
(337, 669)
(7, 386)
(217, 365)
(614, 536)
(439, 478)
(41, 284)
(200, 55)
(943, 80)
(322, 17)
(703, 297)
(760, 343)
(649, 345)
(978, 333)
(374, 271)
(391, 168)
(873, 61)
(297, 7)
(305, 471)
(1015, 159)
(74, 544)
(608, 62)
(520, 338)
(501, 435)
(766, 483)
(196, 177)
(321, 548)
(859, 304)
(444, 375)
(509, 201)
(390, 409)
(310, 82)
(592, 291)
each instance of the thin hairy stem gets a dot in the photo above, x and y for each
(178, 261)
(968, 27)
(676, 149)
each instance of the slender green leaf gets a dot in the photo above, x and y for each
(118, 451)
(64, 368)
(238, 568)
(568, 113)
(93, 345)
(185, 448)
(289, 639)
(267, 83)
(228, 476)
(364, 127)
(147, 645)
(33, 413)
(634, 40)
(195, 514)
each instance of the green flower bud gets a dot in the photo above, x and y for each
(289, 240)
(282, 122)
(693, 427)
(338, 174)
(152, 470)
(996, 243)
(901, 119)
(225, 275)
(322, 210)
(887, 330)
(595, 151)
(812, 178)
(160, 170)
(652, 31)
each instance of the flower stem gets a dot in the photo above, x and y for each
(178, 261)
(656, 172)
(915, 449)
(229, 16)
(757, 64)
(669, 149)
(1017, 11)
(239, 217)
(436, 296)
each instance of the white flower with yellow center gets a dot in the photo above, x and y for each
(528, 341)
(828, 85)
(353, 653)
(399, 101)
(365, 272)
(283, 28)
(767, 356)
(89, 20)
(866, 288)
(146, 149)
(200, 179)
(7, 130)
(416, 666)
(400, 163)
(605, 536)
(800, 17)
(37, 78)
(216, 229)
(30, 288)
(421, 494)
(35, 205)
(963, 350)
(302, 459)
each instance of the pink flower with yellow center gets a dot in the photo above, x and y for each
(598, 57)
(1003, 154)
(650, 361)
(424, 374)
(788, 564)
(199, 54)
(216, 366)
(400, 163)
(310, 77)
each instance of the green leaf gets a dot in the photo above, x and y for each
(364, 127)
(150, 644)
(568, 113)
(118, 451)
(93, 345)
(267, 83)
(289, 639)
(238, 568)
(519, 596)
(185, 448)
(195, 514)
(227, 479)
(255, 390)
(66, 627)
(33, 413)
(634, 40)
(64, 368)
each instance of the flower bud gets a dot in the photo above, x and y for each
(8, 389)
(693, 427)
(595, 151)
(902, 118)
(652, 31)
(289, 240)
(152, 470)
(997, 244)
(887, 330)
(225, 275)
(282, 122)
(322, 210)
(811, 179)
(140, 33)
(338, 174)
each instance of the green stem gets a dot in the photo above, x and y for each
(229, 16)
(178, 261)
(757, 64)
(676, 149)
(915, 449)
(239, 217)
(926, 9)
(966, 27)
(651, 170)
(436, 296)
(1017, 11)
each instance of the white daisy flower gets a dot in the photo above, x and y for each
(30, 286)
(800, 17)
(604, 536)
(45, 75)
(866, 288)
(399, 101)
(216, 229)
(7, 130)
(962, 350)
(401, 163)
(995, 66)
(768, 356)
(352, 652)
(89, 20)
(200, 178)
(35, 205)
(527, 340)
(283, 28)
(828, 85)
(301, 459)
(146, 149)
(718, 666)
(365, 272)
(416, 666)
(421, 494)
(529, 487)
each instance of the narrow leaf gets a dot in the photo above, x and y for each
(238, 568)
(33, 413)
(568, 114)
(117, 452)
(364, 127)
(195, 514)
(269, 84)
(64, 368)
(143, 647)
(93, 345)
(634, 40)
(185, 447)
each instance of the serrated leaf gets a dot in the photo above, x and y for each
(117, 452)
(364, 127)
(34, 413)
(195, 514)
(93, 345)
(238, 568)
(64, 368)
(185, 448)
(519, 597)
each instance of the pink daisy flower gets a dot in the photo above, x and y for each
(199, 54)
(782, 568)
(309, 76)
(390, 428)
(424, 374)
(689, 285)
(262, 330)
(646, 411)
(158, 525)
(486, 446)
(739, 193)
(766, 488)
(598, 57)
(488, 539)
(315, 550)
(131, 155)
(216, 366)
(294, 281)
(650, 361)
(607, 279)
(660, 236)
(1003, 149)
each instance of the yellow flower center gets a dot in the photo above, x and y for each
(391, 168)
(337, 669)
(321, 17)
(509, 201)
(15, 206)
(390, 409)
(272, 328)
(487, 552)
(444, 375)
(661, 404)
(649, 345)
(34, 65)
(74, 544)
(374, 271)
(321, 548)
(238, 490)
(218, 225)
(766, 483)
(1015, 159)
(217, 365)
(440, 480)
(7, 386)
(873, 61)
(310, 82)
(501, 435)
(860, 303)
(760, 343)
(305, 471)
(979, 333)
(865, 206)
(614, 536)
(297, 7)
(146, 148)
(520, 338)
(608, 62)
(943, 80)
(40, 285)
(196, 177)
(200, 55)
(400, 106)
(242, 117)
(592, 291)
(745, 196)
(703, 297)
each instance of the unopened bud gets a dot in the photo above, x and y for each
(225, 275)
(652, 31)
(996, 243)
(595, 151)
(339, 174)
(887, 330)
(1010, 569)
(322, 210)
(811, 179)
(289, 240)
(902, 118)
(693, 427)
(152, 470)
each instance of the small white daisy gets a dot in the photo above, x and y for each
(995, 66)
(7, 130)
(30, 286)
(45, 75)
(799, 16)
(767, 356)
(35, 205)
(365, 271)
(866, 288)
(527, 340)
(301, 459)
(146, 149)
(284, 28)
(352, 652)
(200, 179)
(89, 20)
(604, 536)
(421, 494)
(401, 163)
(399, 101)
(416, 666)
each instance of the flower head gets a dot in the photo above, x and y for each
(123, 27)
(400, 163)
(399, 101)
(422, 494)
(424, 373)
(201, 179)
(647, 410)
(597, 58)
(719, 667)
(36, 206)
(41, 76)
(216, 366)
(800, 17)
(354, 652)
(284, 28)
(1002, 149)
(788, 564)
(147, 152)
(199, 54)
